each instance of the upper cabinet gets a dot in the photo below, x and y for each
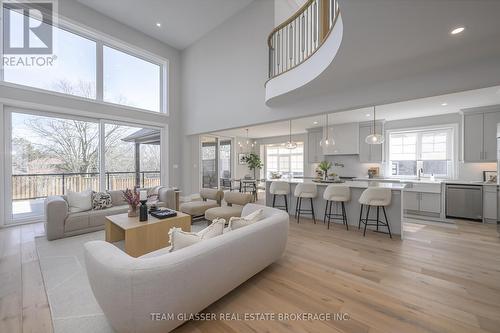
(314, 151)
(480, 136)
(370, 153)
(346, 140)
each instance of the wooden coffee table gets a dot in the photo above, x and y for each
(143, 237)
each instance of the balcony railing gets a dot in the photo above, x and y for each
(296, 39)
(35, 186)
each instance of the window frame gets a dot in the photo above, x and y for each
(289, 156)
(451, 150)
(101, 40)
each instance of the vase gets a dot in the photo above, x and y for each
(132, 211)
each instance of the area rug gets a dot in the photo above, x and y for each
(72, 304)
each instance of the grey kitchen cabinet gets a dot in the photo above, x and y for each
(411, 201)
(490, 195)
(430, 202)
(491, 119)
(369, 153)
(345, 138)
(480, 136)
(314, 150)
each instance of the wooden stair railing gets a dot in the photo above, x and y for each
(295, 40)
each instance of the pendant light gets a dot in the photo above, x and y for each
(291, 144)
(374, 138)
(247, 143)
(327, 141)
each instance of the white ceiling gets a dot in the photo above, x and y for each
(423, 107)
(182, 21)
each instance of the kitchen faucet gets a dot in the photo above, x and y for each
(420, 171)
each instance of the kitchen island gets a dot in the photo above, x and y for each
(394, 211)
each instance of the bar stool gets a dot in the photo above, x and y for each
(280, 188)
(338, 194)
(307, 191)
(377, 197)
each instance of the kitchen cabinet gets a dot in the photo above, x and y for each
(480, 136)
(369, 153)
(314, 150)
(490, 194)
(423, 199)
(346, 140)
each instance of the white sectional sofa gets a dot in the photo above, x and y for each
(129, 290)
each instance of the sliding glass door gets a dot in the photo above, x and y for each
(53, 154)
(216, 162)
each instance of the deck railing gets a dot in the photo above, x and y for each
(296, 39)
(36, 186)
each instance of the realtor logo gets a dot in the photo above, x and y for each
(27, 27)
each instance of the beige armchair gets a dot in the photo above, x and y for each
(210, 198)
(235, 202)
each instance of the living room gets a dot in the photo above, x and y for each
(249, 165)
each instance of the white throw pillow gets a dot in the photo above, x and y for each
(239, 222)
(180, 239)
(79, 201)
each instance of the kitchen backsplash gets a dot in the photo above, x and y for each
(353, 168)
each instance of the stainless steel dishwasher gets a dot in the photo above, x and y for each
(464, 201)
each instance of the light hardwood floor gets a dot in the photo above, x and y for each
(440, 279)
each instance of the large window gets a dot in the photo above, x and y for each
(131, 81)
(285, 161)
(75, 67)
(72, 71)
(428, 150)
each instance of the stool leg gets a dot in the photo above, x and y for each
(345, 216)
(378, 213)
(300, 206)
(330, 212)
(274, 200)
(360, 215)
(296, 207)
(387, 222)
(326, 212)
(366, 221)
(286, 203)
(312, 210)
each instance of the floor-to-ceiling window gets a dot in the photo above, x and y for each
(216, 162)
(53, 154)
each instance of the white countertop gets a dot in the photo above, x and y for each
(428, 181)
(352, 184)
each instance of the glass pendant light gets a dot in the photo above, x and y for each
(327, 141)
(374, 138)
(291, 144)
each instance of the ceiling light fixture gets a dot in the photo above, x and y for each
(444, 104)
(315, 123)
(158, 24)
(368, 115)
(291, 144)
(374, 138)
(458, 30)
(248, 143)
(326, 141)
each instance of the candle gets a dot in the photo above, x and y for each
(143, 195)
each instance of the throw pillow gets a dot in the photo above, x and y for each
(180, 239)
(239, 222)
(79, 201)
(101, 200)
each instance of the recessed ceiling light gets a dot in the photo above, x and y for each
(444, 104)
(457, 30)
(158, 24)
(315, 123)
(368, 115)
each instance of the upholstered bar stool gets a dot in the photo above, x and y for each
(375, 197)
(278, 188)
(338, 194)
(305, 191)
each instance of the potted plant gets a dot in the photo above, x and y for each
(324, 167)
(253, 162)
(132, 197)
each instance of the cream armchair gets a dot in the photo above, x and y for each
(210, 198)
(235, 202)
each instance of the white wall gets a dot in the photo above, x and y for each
(283, 9)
